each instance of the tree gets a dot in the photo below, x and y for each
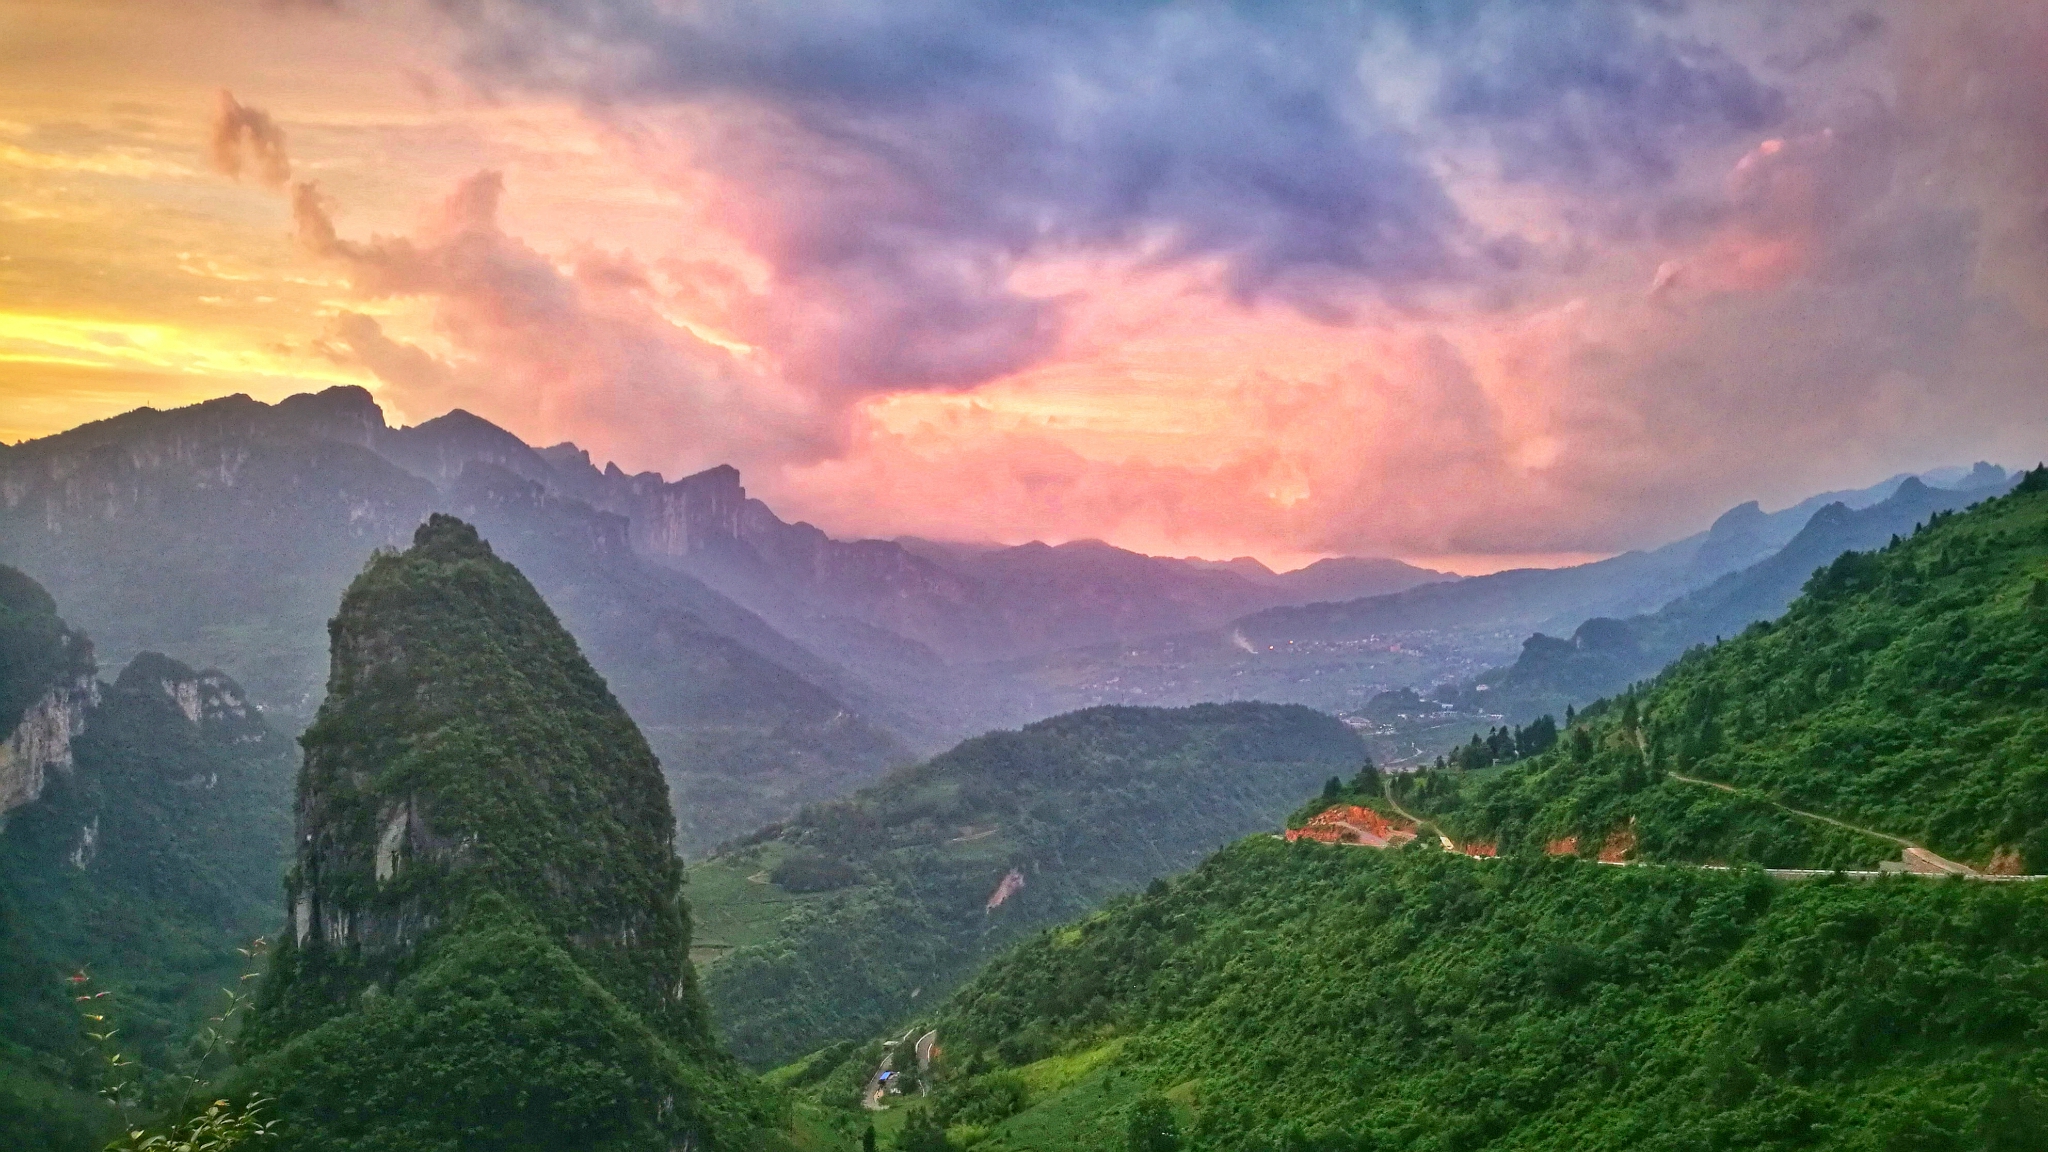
(1367, 782)
(2014, 1120)
(922, 1132)
(1151, 1126)
(867, 1139)
(1332, 788)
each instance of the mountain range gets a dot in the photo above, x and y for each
(768, 663)
(1604, 654)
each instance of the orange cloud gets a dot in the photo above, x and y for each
(248, 137)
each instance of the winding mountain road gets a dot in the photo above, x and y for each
(1914, 853)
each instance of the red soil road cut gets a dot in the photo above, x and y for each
(1353, 824)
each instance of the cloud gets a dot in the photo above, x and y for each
(247, 138)
(581, 350)
(897, 163)
(1476, 276)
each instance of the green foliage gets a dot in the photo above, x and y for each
(220, 1127)
(809, 872)
(1152, 1126)
(1307, 996)
(1081, 807)
(145, 864)
(922, 1132)
(499, 1040)
(1905, 691)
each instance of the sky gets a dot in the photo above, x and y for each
(1476, 283)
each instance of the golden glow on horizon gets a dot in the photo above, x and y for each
(1169, 416)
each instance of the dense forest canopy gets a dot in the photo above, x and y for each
(1302, 996)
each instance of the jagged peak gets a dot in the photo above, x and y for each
(1739, 517)
(716, 476)
(448, 538)
(462, 420)
(340, 400)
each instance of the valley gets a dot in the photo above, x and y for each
(1804, 933)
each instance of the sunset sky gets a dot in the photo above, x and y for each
(1473, 282)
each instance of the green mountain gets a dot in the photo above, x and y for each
(143, 825)
(850, 916)
(1310, 996)
(488, 944)
(1905, 691)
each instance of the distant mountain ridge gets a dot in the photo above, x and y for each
(1605, 654)
(228, 530)
(961, 602)
(1561, 599)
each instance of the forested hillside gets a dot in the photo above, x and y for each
(145, 824)
(1308, 997)
(1905, 691)
(1315, 996)
(860, 910)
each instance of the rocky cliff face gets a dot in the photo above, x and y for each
(47, 686)
(41, 741)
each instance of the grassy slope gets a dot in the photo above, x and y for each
(1083, 806)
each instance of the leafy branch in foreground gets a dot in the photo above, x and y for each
(96, 1012)
(222, 1126)
(217, 1038)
